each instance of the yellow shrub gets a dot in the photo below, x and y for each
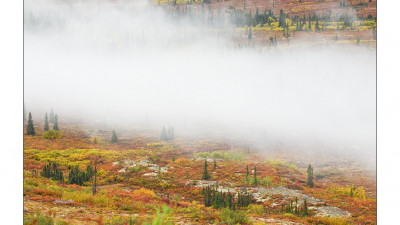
(255, 209)
(143, 192)
(79, 196)
(333, 220)
(349, 191)
(51, 134)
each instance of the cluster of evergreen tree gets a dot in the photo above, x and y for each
(293, 209)
(218, 200)
(53, 171)
(267, 17)
(167, 135)
(53, 119)
(79, 177)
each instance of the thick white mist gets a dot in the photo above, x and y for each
(135, 64)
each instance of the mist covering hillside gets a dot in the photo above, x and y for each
(136, 66)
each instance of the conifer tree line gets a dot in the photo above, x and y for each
(167, 135)
(51, 119)
(79, 177)
(52, 171)
(299, 211)
(218, 200)
(253, 17)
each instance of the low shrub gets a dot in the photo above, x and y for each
(231, 217)
(51, 134)
(255, 209)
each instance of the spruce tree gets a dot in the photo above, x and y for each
(52, 118)
(206, 175)
(215, 164)
(55, 126)
(30, 129)
(310, 176)
(46, 123)
(114, 138)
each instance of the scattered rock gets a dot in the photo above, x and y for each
(331, 211)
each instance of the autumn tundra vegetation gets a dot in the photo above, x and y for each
(282, 23)
(80, 175)
(75, 173)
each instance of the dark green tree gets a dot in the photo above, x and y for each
(30, 129)
(78, 177)
(53, 171)
(206, 175)
(55, 126)
(51, 115)
(215, 164)
(310, 176)
(114, 138)
(46, 123)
